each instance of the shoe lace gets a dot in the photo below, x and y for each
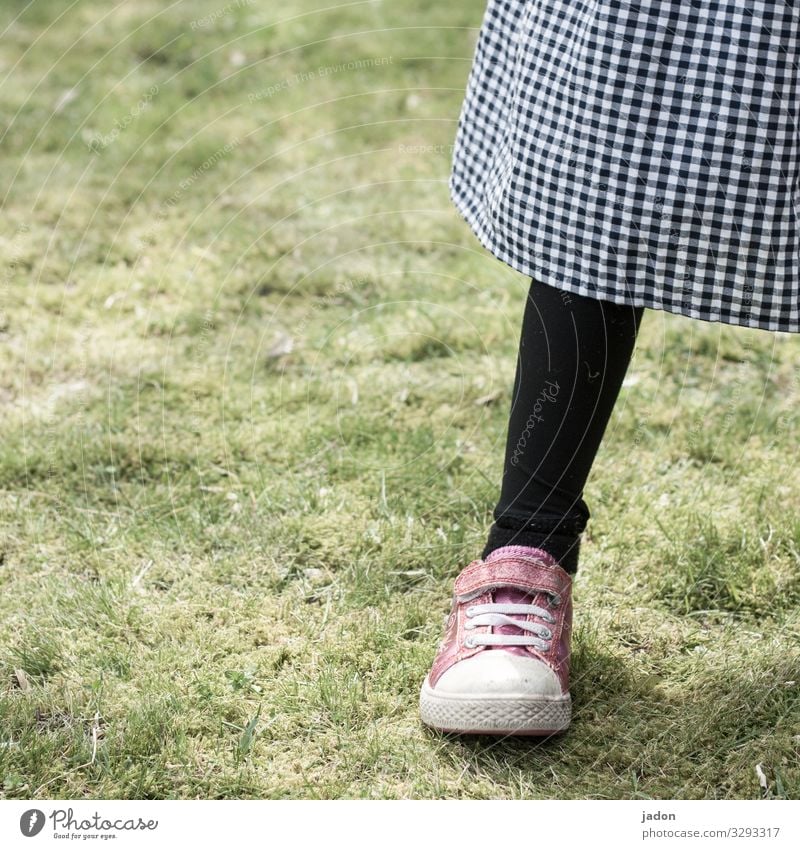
(537, 635)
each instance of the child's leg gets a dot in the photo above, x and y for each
(503, 665)
(574, 352)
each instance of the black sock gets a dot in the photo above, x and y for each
(560, 542)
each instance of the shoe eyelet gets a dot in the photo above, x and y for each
(469, 625)
(469, 643)
(470, 611)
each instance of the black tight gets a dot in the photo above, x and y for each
(573, 354)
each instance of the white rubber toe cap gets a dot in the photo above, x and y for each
(499, 673)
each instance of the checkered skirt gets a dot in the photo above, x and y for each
(643, 152)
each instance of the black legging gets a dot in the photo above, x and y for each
(573, 354)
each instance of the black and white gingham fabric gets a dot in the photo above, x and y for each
(646, 152)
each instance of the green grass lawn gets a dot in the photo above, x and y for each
(254, 380)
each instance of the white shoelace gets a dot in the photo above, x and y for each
(498, 614)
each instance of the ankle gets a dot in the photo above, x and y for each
(565, 548)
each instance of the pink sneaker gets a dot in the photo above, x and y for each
(503, 665)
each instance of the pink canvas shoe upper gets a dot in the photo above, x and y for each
(510, 575)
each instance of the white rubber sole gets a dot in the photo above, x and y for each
(507, 715)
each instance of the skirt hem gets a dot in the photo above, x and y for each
(565, 284)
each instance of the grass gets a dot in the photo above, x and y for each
(254, 382)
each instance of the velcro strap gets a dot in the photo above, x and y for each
(531, 575)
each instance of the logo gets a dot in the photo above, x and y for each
(65, 824)
(31, 822)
